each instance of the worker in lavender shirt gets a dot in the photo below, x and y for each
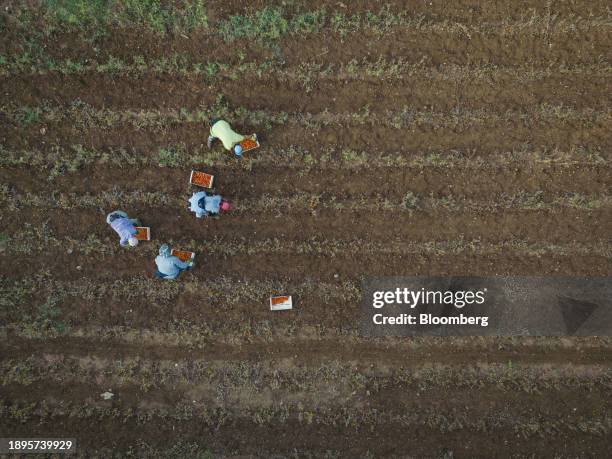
(124, 226)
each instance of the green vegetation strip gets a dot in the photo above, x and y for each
(274, 22)
(80, 115)
(258, 376)
(61, 161)
(310, 202)
(306, 73)
(179, 16)
(340, 416)
(39, 239)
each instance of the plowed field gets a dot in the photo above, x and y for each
(412, 138)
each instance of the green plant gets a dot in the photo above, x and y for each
(193, 16)
(411, 201)
(309, 22)
(266, 24)
(46, 323)
(168, 157)
(28, 115)
(82, 14)
(113, 65)
(4, 240)
(148, 12)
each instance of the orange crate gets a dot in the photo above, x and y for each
(143, 234)
(184, 255)
(201, 179)
(249, 144)
(281, 303)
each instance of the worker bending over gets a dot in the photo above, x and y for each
(169, 266)
(204, 205)
(124, 226)
(221, 129)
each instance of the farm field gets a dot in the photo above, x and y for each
(398, 139)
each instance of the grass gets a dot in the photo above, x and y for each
(98, 15)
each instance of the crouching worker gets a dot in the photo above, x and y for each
(124, 226)
(169, 266)
(204, 205)
(220, 129)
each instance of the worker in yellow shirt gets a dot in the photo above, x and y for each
(221, 129)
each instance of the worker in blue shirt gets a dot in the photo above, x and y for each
(204, 205)
(169, 266)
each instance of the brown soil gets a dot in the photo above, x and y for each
(169, 322)
(391, 183)
(167, 91)
(514, 135)
(558, 227)
(310, 352)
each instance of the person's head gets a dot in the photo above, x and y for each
(237, 150)
(114, 216)
(164, 250)
(225, 206)
(133, 241)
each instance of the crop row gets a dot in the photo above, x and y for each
(53, 15)
(81, 115)
(230, 291)
(272, 23)
(59, 161)
(39, 238)
(178, 338)
(308, 202)
(258, 376)
(306, 73)
(169, 450)
(342, 416)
